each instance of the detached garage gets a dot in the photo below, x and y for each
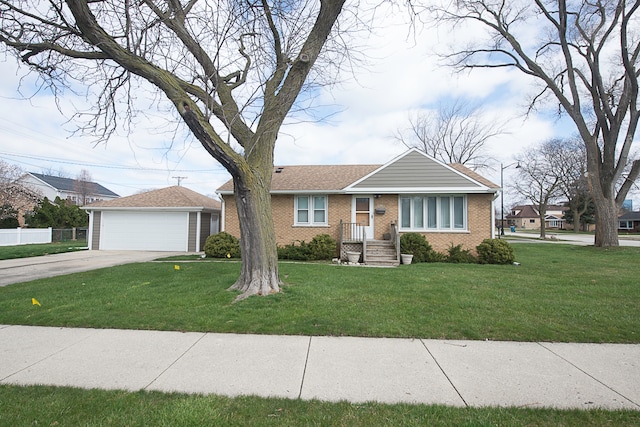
(172, 219)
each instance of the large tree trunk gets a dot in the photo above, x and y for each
(252, 189)
(601, 182)
(606, 221)
(259, 275)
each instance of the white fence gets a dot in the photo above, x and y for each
(24, 236)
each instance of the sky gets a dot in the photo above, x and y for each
(402, 76)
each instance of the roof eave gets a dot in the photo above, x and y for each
(404, 190)
(421, 190)
(155, 208)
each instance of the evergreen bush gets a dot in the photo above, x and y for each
(323, 247)
(222, 245)
(298, 251)
(416, 244)
(457, 255)
(495, 251)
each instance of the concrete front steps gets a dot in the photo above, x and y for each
(381, 253)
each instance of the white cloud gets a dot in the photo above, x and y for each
(402, 75)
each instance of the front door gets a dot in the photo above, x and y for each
(362, 213)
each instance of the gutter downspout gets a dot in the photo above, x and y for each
(493, 215)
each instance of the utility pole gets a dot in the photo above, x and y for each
(179, 178)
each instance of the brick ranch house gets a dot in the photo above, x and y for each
(367, 207)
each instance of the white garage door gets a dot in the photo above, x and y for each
(149, 231)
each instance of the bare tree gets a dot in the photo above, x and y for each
(16, 197)
(231, 70)
(570, 164)
(84, 187)
(454, 133)
(538, 179)
(586, 56)
(60, 173)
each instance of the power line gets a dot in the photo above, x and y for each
(98, 165)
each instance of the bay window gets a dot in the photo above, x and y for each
(441, 212)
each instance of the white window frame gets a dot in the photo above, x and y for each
(426, 210)
(627, 226)
(311, 211)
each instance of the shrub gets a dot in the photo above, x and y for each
(457, 255)
(495, 251)
(437, 257)
(298, 251)
(416, 244)
(322, 247)
(222, 245)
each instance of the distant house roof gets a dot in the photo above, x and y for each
(411, 171)
(169, 197)
(525, 211)
(530, 211)
(67, 184)
(630, 216)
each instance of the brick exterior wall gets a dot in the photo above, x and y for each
(339, 208)
(382, 222)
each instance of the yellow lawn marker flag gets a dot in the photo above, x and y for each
(176, 267)
(35, 302)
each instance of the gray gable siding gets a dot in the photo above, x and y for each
(192, 233)
(415, 171)
(95, 243)
(205, 228)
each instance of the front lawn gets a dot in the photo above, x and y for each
(26, 251)
(61, 406)
(558, 293)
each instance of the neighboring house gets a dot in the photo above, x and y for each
(629, 222)
(359, 204)
(67, 188)
(528, 217)
(170, 219)
(19, 199)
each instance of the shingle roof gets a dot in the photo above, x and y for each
(170, 197)
(530, 211)
(332, 177)
(630, 216)
(67, 184)
(526, 211)
(311, 178)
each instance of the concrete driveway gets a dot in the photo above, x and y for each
(568, 238)
(26, 269)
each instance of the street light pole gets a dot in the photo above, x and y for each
(501, 231)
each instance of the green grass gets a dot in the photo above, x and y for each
(59, 406)
(26, 251)
(558, 293)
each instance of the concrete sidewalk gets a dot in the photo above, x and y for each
(456, 373)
